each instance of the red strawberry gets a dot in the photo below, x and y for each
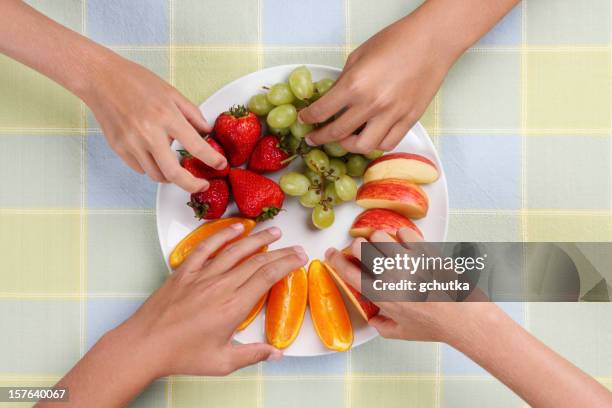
(256, 196)
(199, 169)
(268, 156)
(237, 130)
(210, 204)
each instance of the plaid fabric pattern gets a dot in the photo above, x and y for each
(523, 124)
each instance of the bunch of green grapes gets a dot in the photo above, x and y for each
(328, 178)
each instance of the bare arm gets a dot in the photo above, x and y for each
(187, 325)
(484, 333)
(139, 112)
(388, 82)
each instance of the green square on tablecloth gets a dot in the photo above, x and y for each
(154, 396)
(384, 357)
(214, 393)
(39, 337)
(199, 73)
(542, 226)
(123, 254)
(298, 393)
(477, 392)
(30, 100)
(578, 331)
(40, 171)
(393, 392)
(569, 172)
(41, 253)
(483, 91)
(484, 227)
(369, 17)
(568, 91)
(556, 22)
(287, 55)
(215, 22)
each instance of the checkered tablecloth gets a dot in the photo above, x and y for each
(523, 124)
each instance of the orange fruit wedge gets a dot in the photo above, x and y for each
(286, 307)
(187, 244)
(329, 315)
(253, 313)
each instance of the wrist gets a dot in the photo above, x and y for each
(133, 352)
(476, 323)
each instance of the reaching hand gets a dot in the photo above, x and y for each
(386, 84)
(141, 115)
(189, 321)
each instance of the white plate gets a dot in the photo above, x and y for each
(175, 219)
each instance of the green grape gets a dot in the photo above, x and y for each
(323, 85)
(299, 104)
(323, 216)
(300, 82)
(291, 143)
(334, 149)
(317, 160)
(300, 130)
(346, 188)
(279, 131)
(374, 154)
(316, 179)
(259, 104)
(282, 116)
(356, 165)
(311, 198)
(337, 168)
(331, 195)
(294, 184)
(280, 94)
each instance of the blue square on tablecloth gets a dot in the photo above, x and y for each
(303, 22)
(482, 171)
(119, 22)
(455, 363)
(111, 183)
(330, 364)
(507, 31)
(105, 314)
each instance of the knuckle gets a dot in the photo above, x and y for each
(260, 259)
(269, 274)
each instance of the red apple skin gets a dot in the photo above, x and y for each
(398, 195)
(380, 219)
(364, 306)
(422, 179)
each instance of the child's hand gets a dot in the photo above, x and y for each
(387, 83)
(408, 320)
(140, 115)
(189, 321)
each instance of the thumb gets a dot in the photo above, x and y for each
(243, 355)
(387, 328)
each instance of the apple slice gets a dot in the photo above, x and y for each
(394, 194)
(407, 166)
(364, 306)
(380, 219)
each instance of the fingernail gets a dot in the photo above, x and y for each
(238, 227)
(299, 118)
(330, 252)
(276, 355)
(204, 187)
(275, 232)
(221, 165)
(299, 249)
(309, 141)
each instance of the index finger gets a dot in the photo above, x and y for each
(169, 165)
(195, 144)
(328, 105)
